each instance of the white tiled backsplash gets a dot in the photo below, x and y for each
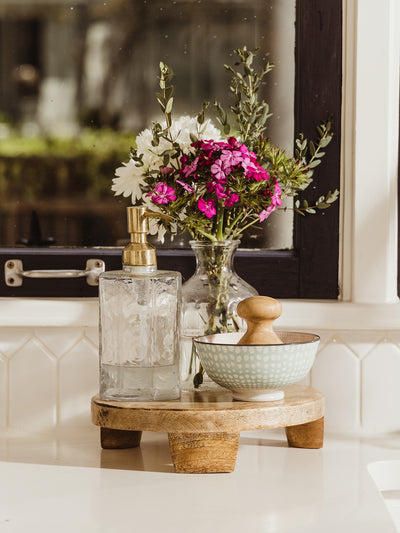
(48, 376)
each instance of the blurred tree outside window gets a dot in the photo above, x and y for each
(78, 82)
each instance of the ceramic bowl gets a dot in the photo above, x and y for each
(257, 372)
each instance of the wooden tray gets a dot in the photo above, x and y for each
(204, 426)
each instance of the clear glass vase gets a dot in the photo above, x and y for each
(209, 301)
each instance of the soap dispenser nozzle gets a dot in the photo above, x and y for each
(138, 252)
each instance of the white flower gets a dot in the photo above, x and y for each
(180, 132)
(184, 126)
(154, 227)
(130, 177)
(157, 229)
(129, 181)
(151, 158)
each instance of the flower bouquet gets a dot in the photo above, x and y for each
(216, 182)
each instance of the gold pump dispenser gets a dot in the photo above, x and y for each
(138, 252)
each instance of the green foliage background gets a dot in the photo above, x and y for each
(45, 167)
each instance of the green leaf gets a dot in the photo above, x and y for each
(324, 142)
(314, 163)
(168, 107)
(332, 196)
(301, 143)
(168, 92)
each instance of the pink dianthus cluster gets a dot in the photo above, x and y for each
(219, 160)
(216, 166)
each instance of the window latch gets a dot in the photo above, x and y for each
(14, 272)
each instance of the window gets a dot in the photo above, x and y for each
(307, 271)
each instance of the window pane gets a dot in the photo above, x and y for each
(77, 82)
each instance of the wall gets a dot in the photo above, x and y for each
(47, 376)
(49, 362)
(48, 349)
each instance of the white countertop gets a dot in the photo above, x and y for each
(64, 482)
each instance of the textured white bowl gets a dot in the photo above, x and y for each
(257, 372)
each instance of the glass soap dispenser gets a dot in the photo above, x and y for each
(139, 322)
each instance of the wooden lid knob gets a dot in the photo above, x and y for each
(259, 312)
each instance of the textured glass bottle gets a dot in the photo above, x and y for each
(139, 323)
(209, 299)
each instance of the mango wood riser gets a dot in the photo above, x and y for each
(204, 428)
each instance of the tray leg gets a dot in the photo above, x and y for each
(309, 435)
(119, 438)
(203, 453)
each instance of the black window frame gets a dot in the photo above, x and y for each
(310, 270)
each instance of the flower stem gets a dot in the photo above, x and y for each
(208, 235)
(220, 224)
(249, 225)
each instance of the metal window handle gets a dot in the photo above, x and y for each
(14, 272)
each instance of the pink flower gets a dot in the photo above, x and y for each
(162, 194)
(255, 172)
(186, 186)
(220, 191)
(189, 169)
(276, 197)
(232, 199)
(207, 146)
(233, 142)
(166, 171)
(275, 201)
(230, 158)
(218, 170)
(266, 212)
(212, 186)
(208, 208)
(248, 166)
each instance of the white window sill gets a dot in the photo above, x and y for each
(298, 314)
